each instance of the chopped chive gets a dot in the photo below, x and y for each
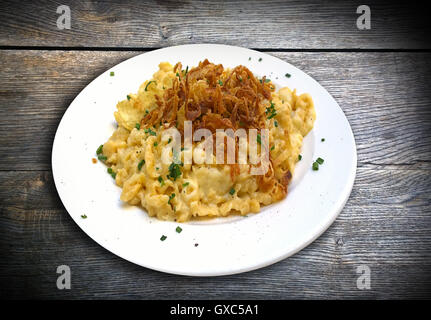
(220, 82)
(231, 191)
(163, 238)
(186, 184)
(315, 166)
(100, 149)
(113, 175)
(260, 59)
(102, 158)
(259, 139)
(110, 170)
(276, 123)
(112, 73)
(178, 229)
(323, 140)
(299, 157)
(147, 112)
(150, 132)
(138, 126)
(140, 164)
(267, 80)
(149, 84)
(187, 69)
(273, 147)
(157, 168)
(162, 183)
(128, 97)
(182, 148)
(320, 160)
(169, 141)
(287, 75)
(84, 216)
(174, 171)
(249, 58)
(171, 197)
(155, 144)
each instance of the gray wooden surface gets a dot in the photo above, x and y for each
(385, 95)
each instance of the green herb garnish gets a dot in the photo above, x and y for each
(323, 140)
(138, 126)
(272, 148)
(275, 123)
(171, 197)
(163, 238)
(149, 84)
(260, 59)
(299, 157)
(155, 144)
(140, 164)
(320, 160)
(169, 141)
(174, 171)
(287, 75)
(270, 111)
(128, 97)
(100, 149)
(161, 181)
(178, 229)
(150, 132)
(220, 82)
(112, 73)
(232, 191)
(102, 157)
(315, 166)
(259, 139)
(186, 184)
(83, 216)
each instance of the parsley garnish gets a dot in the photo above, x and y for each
(275, 123)
(128, 97)
(112, 173)
(112, 74)
(100, 149)
(287, 75)
(161, 181)
(155, 144)
(84, 216)
(178, 229)
(299, 157)
(102, 158)
(220, 82)
(232, 191)
(163, 238)
(186, 184)
(138, 126)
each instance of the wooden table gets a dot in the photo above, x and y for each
(380, 78)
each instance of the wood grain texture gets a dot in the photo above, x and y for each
(386, 225)
(385, 97)
(255, 24)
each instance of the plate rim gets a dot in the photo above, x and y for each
(342, 199)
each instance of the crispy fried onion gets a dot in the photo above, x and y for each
(214, 99)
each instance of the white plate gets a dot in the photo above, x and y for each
(226, 245)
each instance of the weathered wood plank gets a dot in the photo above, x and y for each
(386, 225)
(255, 24)
(385, 96)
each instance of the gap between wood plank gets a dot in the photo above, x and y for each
(55, 48)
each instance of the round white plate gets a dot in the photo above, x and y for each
(225, 245)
